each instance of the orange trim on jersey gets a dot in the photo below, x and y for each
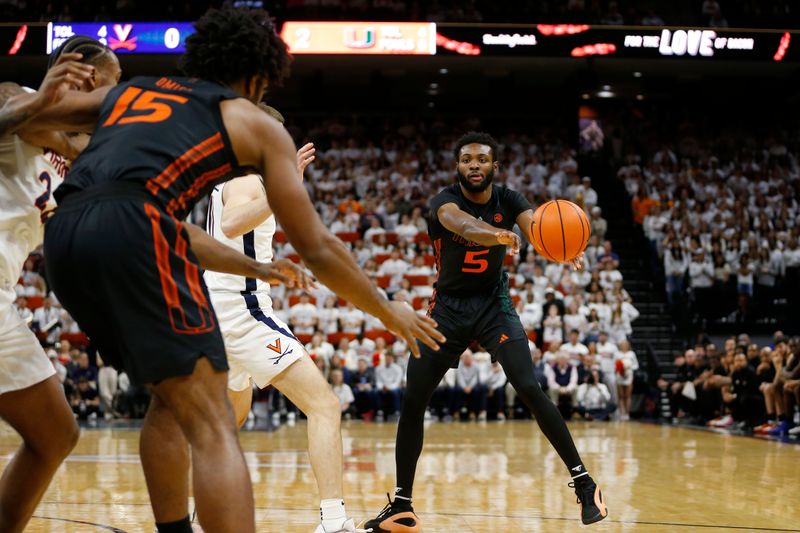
(275, 347)
(168, 286)
(203, 180)
(194, 154)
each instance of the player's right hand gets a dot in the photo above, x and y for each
(305, 156)
(67, 74)
(286, 272)
(510, 239)
(402, 320)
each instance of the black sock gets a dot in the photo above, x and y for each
(184, 525)
(782, 418)
(770, 416)
(401, 499)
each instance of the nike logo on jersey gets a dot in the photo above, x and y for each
(577, 468)
(503, 338)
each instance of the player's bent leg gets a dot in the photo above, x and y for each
(164, 453)
(516, 361)
(200, 406)
(241, 401)
(44, 447)
(304, 385)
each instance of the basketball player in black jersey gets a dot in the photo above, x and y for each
(127, 269)
(470, 227)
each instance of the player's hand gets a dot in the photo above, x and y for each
(403, 321)
(510, 239)
(286, 272)
(305, 155)
(577, 263)
(67, 74)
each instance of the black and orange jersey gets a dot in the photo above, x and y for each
(466, 268)
(165, 133)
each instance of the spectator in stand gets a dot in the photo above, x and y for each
(622, 315)
(351, 319)
(701, 282)
(608, 254)
(362, 383)
(47, 320)
(470, 393)
(366, 347)
(495, 383)
(744, 285)
(328, 316)
(107, 378)
(574, 348)
(598, 224)
(626, 364)
(21, 305)
(606, 355)
(83, 370)
(375, 228)
(319, 347)
(553, 327)
(575, 320)
(562, 384)
(61, 370)
(341, 390)
(641, 205)
(346, 354)
(777, 417)
(594, 399)
(675, 266)
(389, 383)
(303, 316)
(85, 401)
(406, 229)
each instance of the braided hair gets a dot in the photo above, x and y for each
(231, 44)
(93, 51)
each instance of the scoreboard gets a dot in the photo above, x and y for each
(125, 37)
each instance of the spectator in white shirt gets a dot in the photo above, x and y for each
(419, 268)
(553, 327)
(589, 194)
(394, 267)
(469, 388)
(319, 347)
(701, 281)
(279, 310)
(406, 229)
(351, 319)
(626, 364)
(622, 314)
(328, 316)
(574, 319)
(342, 390)
(303, 316)
(21, 305)
(675, 265)
(574, 348)
(363, 346)
(594, 399)
(347, 354)
(375, 228)
(495, 381)
(598, 224)
(530, 312)
(47, 319)
(389, 383)
(609, 275)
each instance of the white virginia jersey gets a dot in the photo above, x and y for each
(28, 176)
(256, 244)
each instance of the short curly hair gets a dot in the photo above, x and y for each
(231, 44)
(476, 137)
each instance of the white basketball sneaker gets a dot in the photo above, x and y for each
(348, 527)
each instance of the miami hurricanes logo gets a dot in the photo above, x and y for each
(351, 39)
(498, 218)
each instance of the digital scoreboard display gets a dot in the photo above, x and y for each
(388, 38)
(125, 37)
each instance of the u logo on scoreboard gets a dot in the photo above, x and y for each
(351, 38)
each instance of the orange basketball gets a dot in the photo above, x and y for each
(560, 230)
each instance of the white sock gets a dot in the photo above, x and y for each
(333, 514)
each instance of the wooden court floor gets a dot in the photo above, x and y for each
(476, 478)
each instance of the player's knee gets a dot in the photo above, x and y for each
(327, 405)
(56, 444)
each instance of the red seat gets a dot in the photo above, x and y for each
(280, 237)
(295, 258)
(512, 282)
(35, 302)
(304, 338)
(416, 280)
(509, 259)
(295, 299)
(77, 340)
(417, 302)
(341, 302)
(380, 258)
(532, 335)
(336, 338)
(422, 238)
(430, 260)
(391, 237)
(383, 281)
(349, 236)
(375, 333)
(516, 299)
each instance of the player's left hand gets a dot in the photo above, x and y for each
(305, 155)
(510, 239)
(577, 263)
(287, 273)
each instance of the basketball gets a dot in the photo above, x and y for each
(560, 230)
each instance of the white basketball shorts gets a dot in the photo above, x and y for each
(23, 362)
(259, 345)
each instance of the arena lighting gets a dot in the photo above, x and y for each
(21, 34)
(599, 49)
(637, 74)
(459, 47)
(787, 37)
(561, 29)
(605, 94)
(443, 71)
(640, 97)
(361, 38)
(585, 96)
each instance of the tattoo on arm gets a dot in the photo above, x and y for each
(15, 113)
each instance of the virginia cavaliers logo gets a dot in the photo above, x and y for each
(276, 347)
(351, 39)
(498, 218)
(122, 40)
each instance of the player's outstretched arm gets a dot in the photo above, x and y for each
(262, 142)
(477, 231)
(244, 205)
(213, 255)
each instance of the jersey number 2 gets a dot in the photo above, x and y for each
(148, 106)
(475, 262)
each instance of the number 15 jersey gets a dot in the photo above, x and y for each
(466, 268)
